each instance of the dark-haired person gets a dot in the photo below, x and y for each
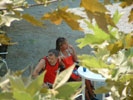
(51, 64)
(69, 57)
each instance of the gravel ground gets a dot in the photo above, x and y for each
(123, 23)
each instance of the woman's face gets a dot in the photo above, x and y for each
(64, 46)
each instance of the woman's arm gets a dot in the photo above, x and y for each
(74, 54)
(38, 68)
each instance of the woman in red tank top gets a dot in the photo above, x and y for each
(68, 56)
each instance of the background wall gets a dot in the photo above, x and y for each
(34, 42)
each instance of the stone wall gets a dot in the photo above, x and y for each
(34, 42)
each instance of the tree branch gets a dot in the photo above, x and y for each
(32, 5)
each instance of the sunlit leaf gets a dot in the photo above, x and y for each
(21, 95)
(98, 37)
(36, 97)
(67, 90)
(17, 83)
(63, 77)
(119, 58)
(36, 84)
(6, 96)
(115, 47)
(116, 17)
(93, 62)
(8, 19)
(32, 20)
(129, 41)
(103, 89)
(93, 6)
(126, 77)
(131, 16)
(43, 90)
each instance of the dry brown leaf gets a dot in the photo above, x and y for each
(5, 40)
(107, 2)
(32, 20)
(131, 16)
(126, 3)
(103, 20)
(93, 6)
(54, 17)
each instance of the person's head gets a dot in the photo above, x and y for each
(53, 56)
(61, 43)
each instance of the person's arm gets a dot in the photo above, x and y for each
(74, 55)
(38, 68)
(61, 64)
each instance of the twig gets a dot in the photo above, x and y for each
(32, 5)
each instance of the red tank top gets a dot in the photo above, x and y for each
(51, 71)
(68, 61)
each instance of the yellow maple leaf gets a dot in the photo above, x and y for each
(115, 47)
(32, 20)
(54, 17)
(93, 6)
(5, 40)
(129, 41)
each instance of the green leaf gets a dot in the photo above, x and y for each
(36, 97)
(126, 77)
(6, 96)
(93, 62)
(103, 89)
(32, 20)
(98, 37)
(35, 85)
(63, 77)
(21, 95)
(17, 83)
(116, 17)
(67, 90)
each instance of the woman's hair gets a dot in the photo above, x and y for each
(59, 42)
